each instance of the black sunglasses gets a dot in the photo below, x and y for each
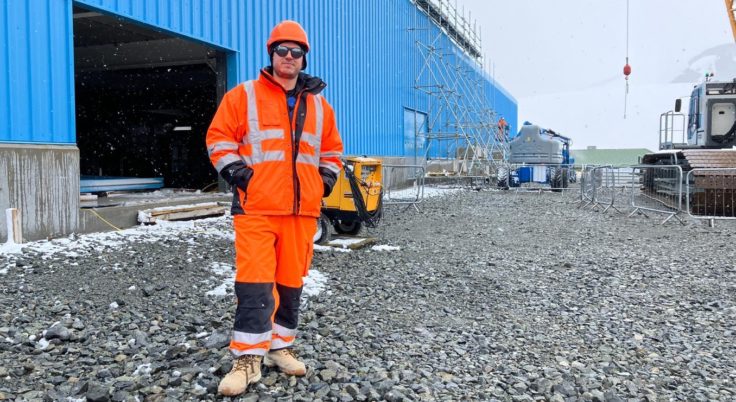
(282, 51)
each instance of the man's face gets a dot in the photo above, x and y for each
(287, 66)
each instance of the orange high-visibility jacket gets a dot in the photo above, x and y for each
(252, 125)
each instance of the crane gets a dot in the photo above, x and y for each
(731, 17)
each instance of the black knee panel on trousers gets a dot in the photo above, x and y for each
(255, 306)
(287, 315)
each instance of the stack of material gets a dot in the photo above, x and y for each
(181, 212)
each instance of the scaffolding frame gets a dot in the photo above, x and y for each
(459, 110)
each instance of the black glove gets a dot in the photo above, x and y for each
(328, 181)
(237, 174)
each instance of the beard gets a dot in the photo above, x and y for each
(286, 73)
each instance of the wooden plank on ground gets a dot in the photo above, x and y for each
(183, 212)
(351, 242)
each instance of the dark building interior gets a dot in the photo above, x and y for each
(144, 100)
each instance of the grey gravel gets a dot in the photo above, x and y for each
(57, 332)
(493, 296)
(97, 393)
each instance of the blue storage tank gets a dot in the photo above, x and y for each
(526, 173)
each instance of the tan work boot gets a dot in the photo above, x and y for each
(246, 370)
(286, 361)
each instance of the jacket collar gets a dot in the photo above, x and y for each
(305, 82)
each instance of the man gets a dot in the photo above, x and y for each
(274, 140)
(503, 126)
(502, 134)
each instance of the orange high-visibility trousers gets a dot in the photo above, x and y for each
(272, 254)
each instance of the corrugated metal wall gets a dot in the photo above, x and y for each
(365, 50)
(36, 81)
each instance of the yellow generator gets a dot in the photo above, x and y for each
(354, 201)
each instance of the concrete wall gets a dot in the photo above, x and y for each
(126, 216)
(42, 181)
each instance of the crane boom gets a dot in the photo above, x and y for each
(731, 17)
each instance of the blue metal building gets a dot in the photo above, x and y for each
(366, 51)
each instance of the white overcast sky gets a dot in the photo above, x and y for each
(541, 48)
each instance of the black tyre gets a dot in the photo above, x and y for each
(502, 178)
(322, 235)
(555, 175)
(348, 227)
(565, 178)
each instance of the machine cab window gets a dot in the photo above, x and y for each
(693, 120)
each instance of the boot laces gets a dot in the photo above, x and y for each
(245, 362)
(289, 351)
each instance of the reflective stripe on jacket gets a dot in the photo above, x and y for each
(252, 125)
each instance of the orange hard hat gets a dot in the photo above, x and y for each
(288, 31)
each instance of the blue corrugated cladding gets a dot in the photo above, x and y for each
(36, 80)
(366, 51)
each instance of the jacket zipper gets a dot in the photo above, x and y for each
(294, 153)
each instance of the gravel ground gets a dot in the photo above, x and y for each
(491, 296)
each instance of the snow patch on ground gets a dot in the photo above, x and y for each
(225, 275)
(416, 193)
(385, 247)
(314, 283)
(222, 289)
(76, 246)
(11, 248)
(221, 269)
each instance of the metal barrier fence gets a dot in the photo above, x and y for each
(399, 176)
(604, 180)
(657, 189)
(711, 193)
(586, 186)
(701, 193)
(603, 186)
(640, 188)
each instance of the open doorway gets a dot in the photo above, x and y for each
(144, 99)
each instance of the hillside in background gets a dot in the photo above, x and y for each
(721, 60)
(595, 115)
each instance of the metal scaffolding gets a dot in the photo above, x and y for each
(462, 124)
